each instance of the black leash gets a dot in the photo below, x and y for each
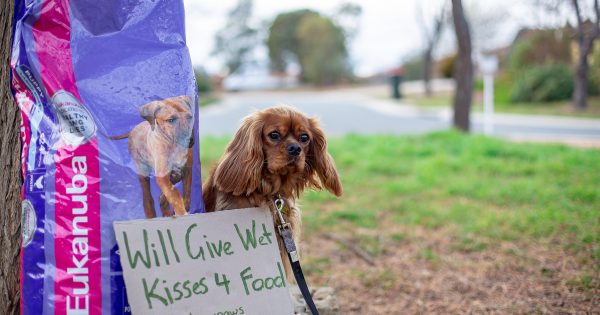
(285, 231)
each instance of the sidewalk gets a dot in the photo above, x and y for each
(582, 132)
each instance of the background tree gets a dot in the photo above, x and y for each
(463, 70)
(585, 41)
(282, 43)
(432, 37)
(312, 40)
(323, 55)
(347, 16)
(235, 42)
(587, 30)
(10, 185)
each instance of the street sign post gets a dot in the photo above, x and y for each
(488, 66)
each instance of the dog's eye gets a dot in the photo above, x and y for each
(304, 138)
(171, 120)
(274, 135)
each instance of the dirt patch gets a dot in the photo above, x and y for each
(430, 273)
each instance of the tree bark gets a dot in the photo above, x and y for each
(580, 93)
(10, 183)
(463, 71)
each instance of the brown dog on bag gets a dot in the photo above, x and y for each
(163, 145)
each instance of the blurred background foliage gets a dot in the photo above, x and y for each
(541, 65)
(543, 83)
(203, 81)
(413, 68)
(312, 40)
(540, 47)
(235, 42)
(314, 48)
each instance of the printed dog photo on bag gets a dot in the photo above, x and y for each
(162, 146)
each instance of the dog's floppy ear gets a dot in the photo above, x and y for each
(239, 171)
(322, 162)
(186, 100)
(149, 111)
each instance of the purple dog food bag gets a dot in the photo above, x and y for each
(109, 132)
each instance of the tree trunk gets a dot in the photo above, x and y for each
(10, 184)
(463, 70)
(432, 38)
(427, 69)
(581, 81)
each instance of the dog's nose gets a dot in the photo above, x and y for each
(293, 149)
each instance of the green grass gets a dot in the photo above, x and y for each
(482, 188)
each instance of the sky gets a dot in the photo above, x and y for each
(389, 31)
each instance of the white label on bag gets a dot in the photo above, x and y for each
(76, 123)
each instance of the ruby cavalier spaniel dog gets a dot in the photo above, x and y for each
(277, 151)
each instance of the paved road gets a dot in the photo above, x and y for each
(348, 111)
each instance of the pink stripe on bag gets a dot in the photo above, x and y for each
(77, 282)
(77, 235)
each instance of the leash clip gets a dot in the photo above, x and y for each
(285, 231)
(279, 204)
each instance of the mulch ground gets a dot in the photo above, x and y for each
(427, 274)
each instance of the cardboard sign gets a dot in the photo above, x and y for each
(225, 262)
